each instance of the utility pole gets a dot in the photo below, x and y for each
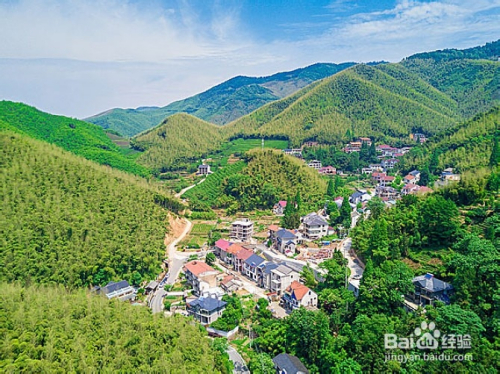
(262, 143)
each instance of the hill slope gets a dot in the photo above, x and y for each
(49, 330)
(70, 221)
(79, 137)
(221, 104)
(466, 146)
(364, 100)
(178, 138)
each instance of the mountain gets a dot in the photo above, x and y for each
(79, 137)
(68, 220)
(377, 101)
(466, 146)
(221, 104)
(266, 177)
(179, 138)
(50, 330)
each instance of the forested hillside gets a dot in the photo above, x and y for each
(50, 330)
(70, 221)
(220, 104)
(464, 147)
(360, 101)
(179, 138)
(269, 176)
(79, 137)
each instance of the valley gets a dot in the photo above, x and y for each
(339, 204)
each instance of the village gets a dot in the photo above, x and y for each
(268, 263)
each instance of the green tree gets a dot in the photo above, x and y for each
(307, 274)
(261, 363)
(438, 220)
(495, 153)
(332, 211)
(376, 207)
(379, 242)
(345, 213)
(210, 258)
(330, 188)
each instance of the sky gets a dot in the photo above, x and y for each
(80, 58)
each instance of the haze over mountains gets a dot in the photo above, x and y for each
(425, 93)
(220, 104)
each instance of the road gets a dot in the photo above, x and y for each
(176, 260)
(188, 188)
(239, 364)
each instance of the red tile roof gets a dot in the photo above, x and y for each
(198, 267)
(227, 279)
(298, 289)
(234, 248)
(273, 228)
(222, 244)
(282, 203)
(244, 254)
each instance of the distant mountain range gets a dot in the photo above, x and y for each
(425, 93)
(220, 104)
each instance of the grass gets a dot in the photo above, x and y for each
(242, 145)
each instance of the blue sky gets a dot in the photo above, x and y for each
(79, 58)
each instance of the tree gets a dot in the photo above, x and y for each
(379, 242)
(330, 189)
(345, 213)
(434, 161)
(438, 220)
(336, 271)
(332, 211)
(376, 207)
(495, 153)
(261, 363)
(425, 176)
(307, 274)
(210, 258)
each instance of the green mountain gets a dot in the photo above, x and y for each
(51, 330)
(379, 101)
(79, 137)
(68, 220)
(179, 138)
(266, 176)
(466, 146)
(222, 103)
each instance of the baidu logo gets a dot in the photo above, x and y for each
(427, 337)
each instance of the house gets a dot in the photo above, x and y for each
(410, 189)
(376, 167)
(121, 290)
(200, 276)
(285, 241)
(230, 284)
(206, 309)
(387, 193)
(151, 287)
(448, 175)
(383, 147)
(314, 226)
(368, 141)
(204, 169)
(250, 266)
(310, 144)
(359, 196)
(338, 201)
(429, 289)
(288, 364)
(389, 163)
(409, 179)
(315, 164)
(265, 280)
(279, 207)
(366, 170)
(220, 246)
(239, 259)
(418, 137)
(386, 180)
(297, 295)
(242, 230)
(377, 175)
(229, 255)
(273, 229)
(416, 175)
(297, 152)
(281, 278)
(327, 170)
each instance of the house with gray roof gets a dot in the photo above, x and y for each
(288, 364)
(206, 309)
(285, 241)
(314, 226)
(251, 267)
(121, 290)
(281, 278)
(429, 289)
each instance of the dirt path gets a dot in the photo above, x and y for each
(188, 188)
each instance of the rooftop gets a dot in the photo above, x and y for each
(285, 234)
(198, 267)
(254, 260)
(431, 283)
(298, 289)
(289, 363)
(243, 254)
(222, 244)
(207, 303)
